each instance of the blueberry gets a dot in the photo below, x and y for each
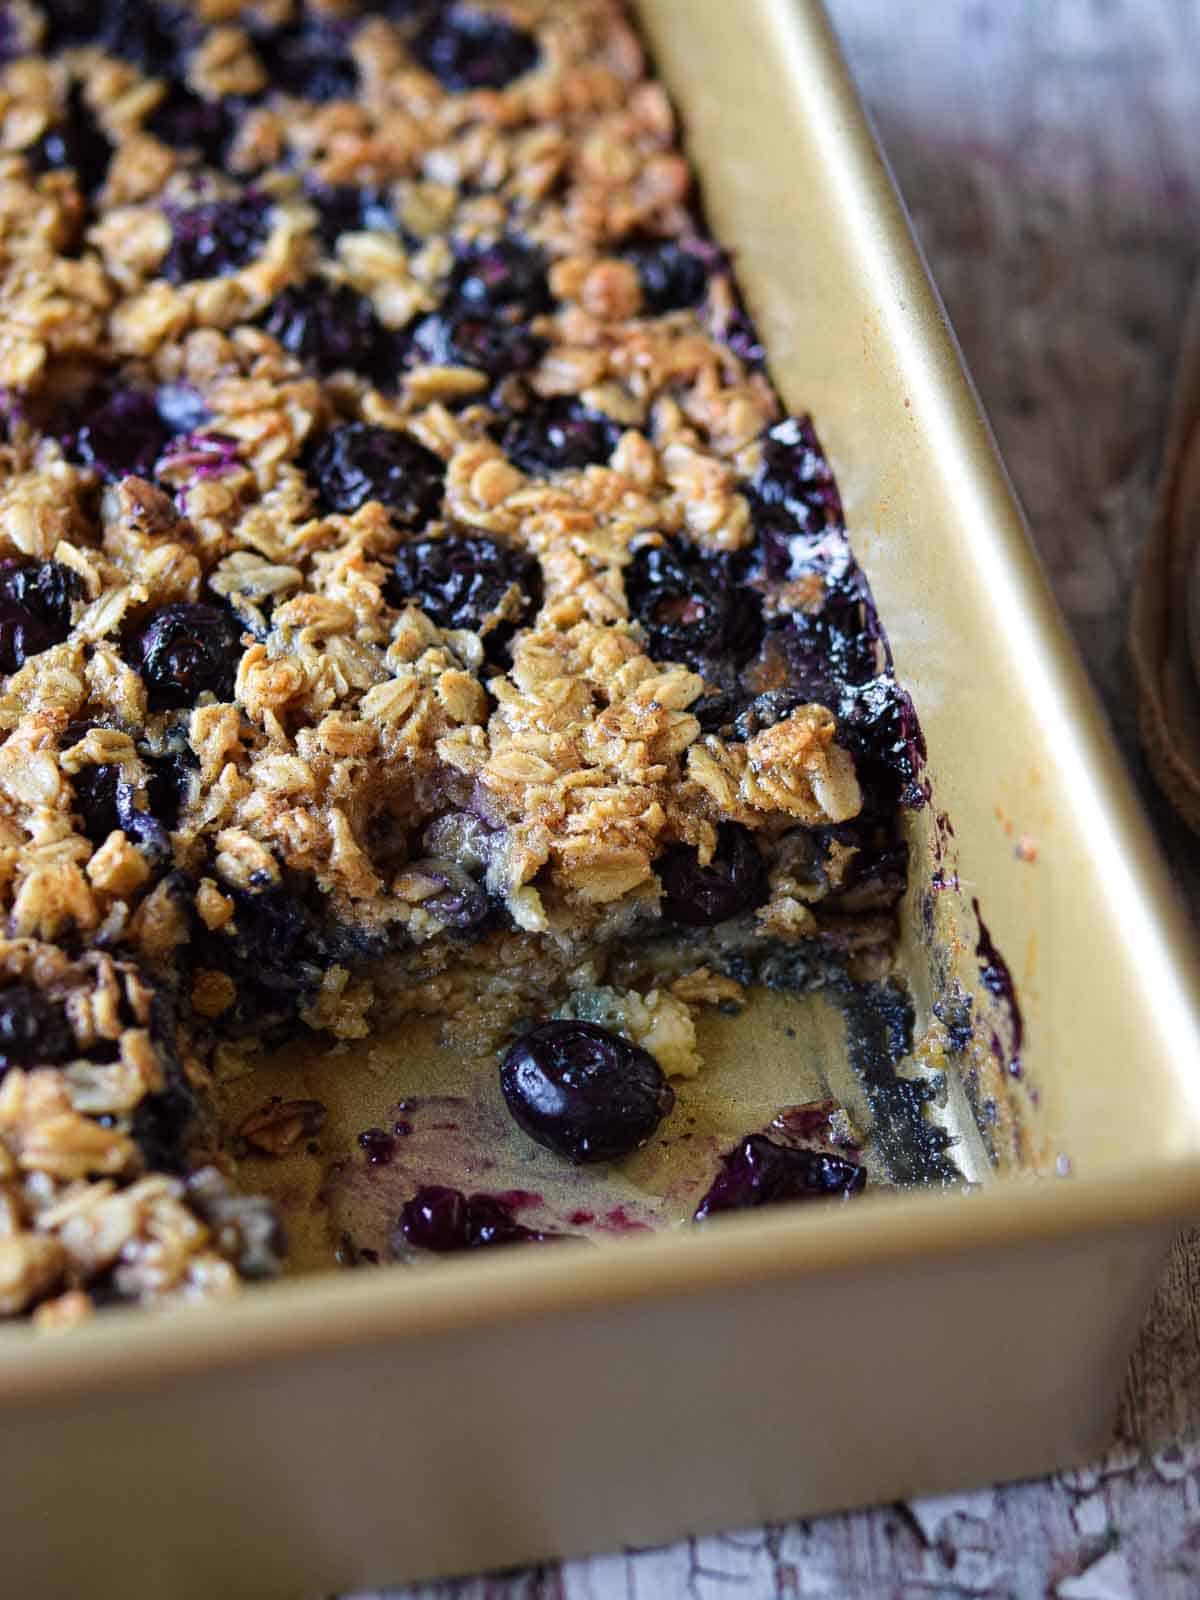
(556, 435)
(507, 272)
(215, 238)
(185, 121)
(346, 208)
(276, 950)
(328, 324)
(464, 339)
(734, 881)
(877, 723)
(169, 784)
(445, 1220)
(161, 1124)
(460, 581)
(585, 1093)
(147, 35)
(181, 408)
(183, 649)
(10, 38)
(76, 141)
(693, 605)
(467, 49)
(759, 1172)
(672, 276)
(309, 59)
(45, 588)
(460, 902)
(33, 1029)
(35, 609)
(359, 462)
(796, 477)
(124, 434)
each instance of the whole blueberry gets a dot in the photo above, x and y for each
(150, 36)
(124, 433)
(215, 238)
(359, 462)
(488, 343)
(349, 208)
(459, 581)
(671, 275)
(733, 882)
(693, 604)
(759, 1172)
(556, 435)
(469, 49)
(184, 649)
(169, 784)
(330, 325)
(76, 141)
(35, 609)
(583, 1092)
(309, 59)
(161, 1124)
(33, 1029)
(185, 121)
(46, 588)
(507, 272)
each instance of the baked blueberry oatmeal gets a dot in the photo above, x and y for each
(412, 599)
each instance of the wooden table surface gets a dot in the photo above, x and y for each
(1050, 153)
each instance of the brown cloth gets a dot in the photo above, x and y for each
(1164, 629)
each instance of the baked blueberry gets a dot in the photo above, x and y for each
(35, 609)
(759, 1172)
(795, 475)
(693, 605)
(469, 49)
(124, 433)
(488, 343)
(46, 588)
(186, 121)
(34, 1031)
(309, 59)
(672, 276)
(184, 649)
(181, 408)
(446, 1220)
(583, 1092)
(215, 238)
(506, 272)
(330, 325)
(733, 882)
(148, 35)
(459, 581)
(74, 141)
(347, 208)
(360, 461)
(460, 902)
(556, 435)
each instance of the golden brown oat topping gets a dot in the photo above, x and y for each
(393, 548)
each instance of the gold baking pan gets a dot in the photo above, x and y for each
(339, 1430)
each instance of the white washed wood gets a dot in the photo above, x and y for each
(1050, 151)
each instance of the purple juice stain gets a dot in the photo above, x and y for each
(998, 981)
